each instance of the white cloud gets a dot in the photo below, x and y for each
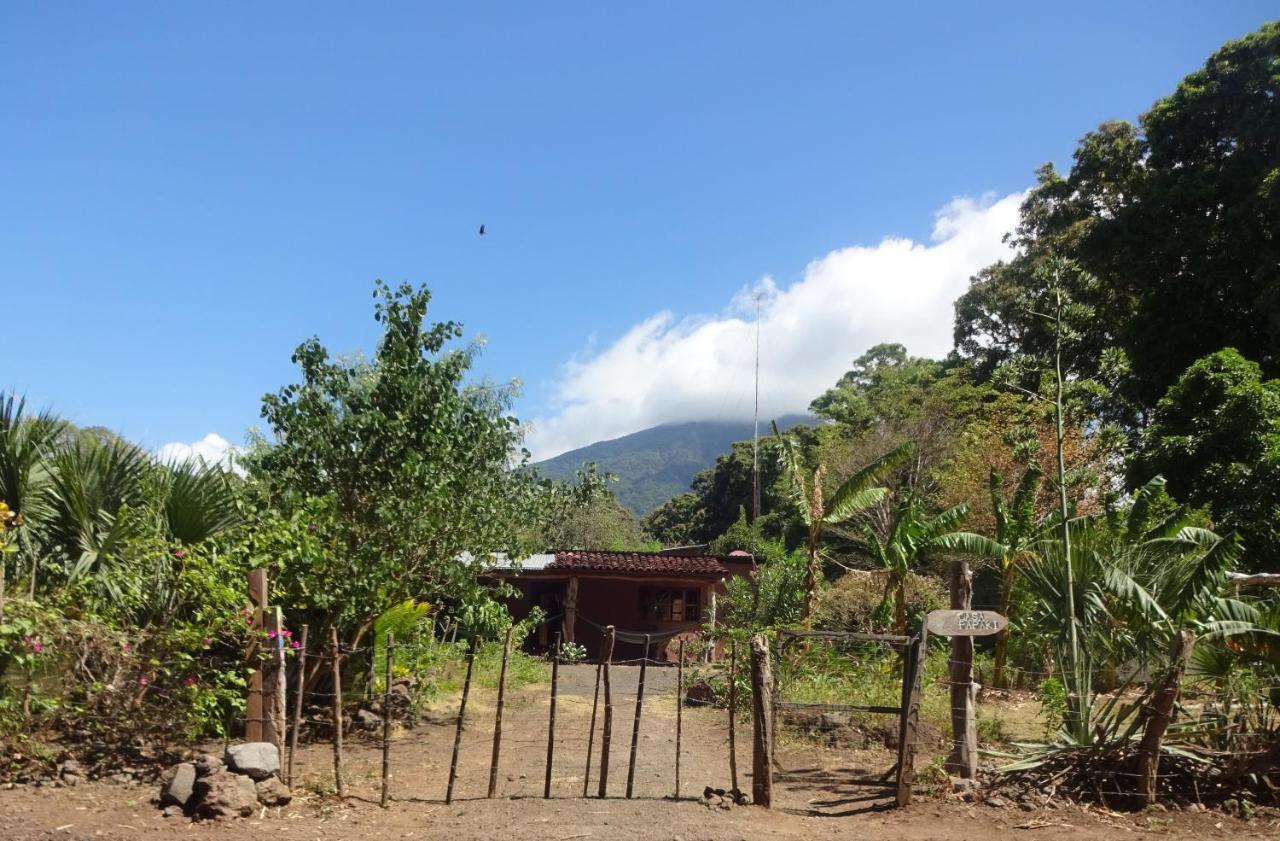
(211, 449)
(668, 369)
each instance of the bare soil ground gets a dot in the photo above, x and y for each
(814, 797)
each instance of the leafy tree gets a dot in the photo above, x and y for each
(677, 522)
(1176, 215)
(853, 496)
(1215, 436)
(884, 385)
(586, 515)
(410, 464)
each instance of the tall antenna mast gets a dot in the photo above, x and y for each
(755, 419)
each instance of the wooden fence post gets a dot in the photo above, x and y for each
(591, 733)
(913, 672)
(462, 714)
(551, 724)
(336, 654)
(964, 729)
(607, 731)
(298, 692)
(762, 720)
(1160, 715)
(273, 680)
(733, 714)
(386, 721)
(679, 708)
(254, 711)
(635, 727)
(497, 720)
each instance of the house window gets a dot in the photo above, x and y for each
(661, 604)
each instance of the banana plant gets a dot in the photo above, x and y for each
(1017, 529)
(855, 494)
(911, 537)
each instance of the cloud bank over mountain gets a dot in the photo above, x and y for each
(671, 368)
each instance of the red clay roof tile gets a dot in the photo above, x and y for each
(638, 563)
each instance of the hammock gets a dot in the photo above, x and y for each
(634, 637)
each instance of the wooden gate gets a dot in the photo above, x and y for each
(905, 707)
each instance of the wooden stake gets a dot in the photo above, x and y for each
(733, 714)
(297, 700)
(386, 721)
(551, 724)
(497, 720)
(607, 733)
(591, 733)
(462, 713)
(762, 720)
(679, 708)
(635, 727)
(915, 666)
(336, 654)
(963, 760)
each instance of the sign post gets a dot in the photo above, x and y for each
(962, 624)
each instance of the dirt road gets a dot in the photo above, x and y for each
(815, 799)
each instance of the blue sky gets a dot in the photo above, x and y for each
(189, 190)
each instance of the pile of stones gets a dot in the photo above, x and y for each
(246, 778)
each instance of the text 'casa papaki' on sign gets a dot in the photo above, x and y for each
(965, 623)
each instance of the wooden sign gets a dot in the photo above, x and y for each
(965, 623)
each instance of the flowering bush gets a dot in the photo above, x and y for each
(572, 652)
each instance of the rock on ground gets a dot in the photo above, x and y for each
(257, 759)
(224, 795)
(180, 788)
(272, 792)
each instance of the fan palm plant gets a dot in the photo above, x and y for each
(198, 501)
(912, 535)
(1136, 586)
(854, 495)
(26, 442)
(92, 484)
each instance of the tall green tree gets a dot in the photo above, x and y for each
(1177, 218)
(1215, 437)
(411, 465)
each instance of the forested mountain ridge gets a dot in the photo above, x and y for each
(655, 464)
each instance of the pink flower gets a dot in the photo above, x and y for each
(271, 635)
(190, 680)
(127, 648)
(286, 634)
(143, 680)
(36, 647)
(295, 644)
(206, 642)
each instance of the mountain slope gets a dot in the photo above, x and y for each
(658, 463)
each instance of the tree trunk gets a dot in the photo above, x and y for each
(810, 579)
(999, 679)
(1160, 715)
(964, 731)
(900, 604)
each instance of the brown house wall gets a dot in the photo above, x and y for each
(607, 601)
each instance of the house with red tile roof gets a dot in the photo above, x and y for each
(664, 595)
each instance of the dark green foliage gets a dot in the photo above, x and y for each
(1215, 437)
(1178, 220)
